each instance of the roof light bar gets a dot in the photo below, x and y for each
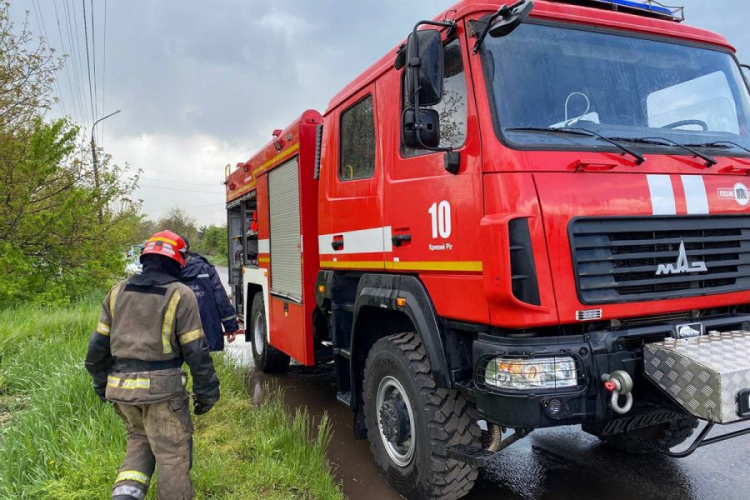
(643, 7)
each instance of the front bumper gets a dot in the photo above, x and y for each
(596, 353)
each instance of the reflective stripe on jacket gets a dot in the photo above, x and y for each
(151, 324)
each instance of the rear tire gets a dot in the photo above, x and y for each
(398, 382)
(267, 358)
(666, 435)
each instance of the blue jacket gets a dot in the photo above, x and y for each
(215, 307)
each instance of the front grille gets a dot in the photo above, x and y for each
(616, 260)
(657, 319)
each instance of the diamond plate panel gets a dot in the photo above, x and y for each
(702, 374)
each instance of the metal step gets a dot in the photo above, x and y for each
(345, 398)
(344, 353)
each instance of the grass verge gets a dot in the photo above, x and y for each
(59, 442)
(217, 260)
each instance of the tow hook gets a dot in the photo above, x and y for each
(619, 383)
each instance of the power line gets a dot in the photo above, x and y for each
(75, 55)
(43, 27)
(157, 179)
(104, 62)
(149, 213)
(88, 60)
(76, 110)
(179, 190)
(217, 205)
(93, 53)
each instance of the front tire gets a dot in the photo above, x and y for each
(267, 358)
(411, 422)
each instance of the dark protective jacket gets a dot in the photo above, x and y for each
(149, 326)
(213, 302)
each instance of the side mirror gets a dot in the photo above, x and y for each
(511, 19)
(429, 124)
(425, 67)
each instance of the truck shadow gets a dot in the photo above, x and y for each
(555, 464)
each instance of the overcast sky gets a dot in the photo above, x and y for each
(202, 84)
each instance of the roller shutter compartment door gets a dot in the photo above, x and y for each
(286, 258)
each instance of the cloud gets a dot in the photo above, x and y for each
(184, 171)
(202, 84)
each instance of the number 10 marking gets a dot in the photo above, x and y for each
(441, 219)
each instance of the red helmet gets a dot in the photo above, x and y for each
(168, 244)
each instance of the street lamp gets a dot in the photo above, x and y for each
(93, 157)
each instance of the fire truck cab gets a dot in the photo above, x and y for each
(525, 216)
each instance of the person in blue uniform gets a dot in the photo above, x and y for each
(216, 309)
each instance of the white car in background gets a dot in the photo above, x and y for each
(134, 265)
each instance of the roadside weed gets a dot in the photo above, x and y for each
(59, 442)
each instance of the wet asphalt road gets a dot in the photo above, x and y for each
(562, 463)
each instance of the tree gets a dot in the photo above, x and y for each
(208, 240)
(215, 240)
(51, 241)
(178, 221)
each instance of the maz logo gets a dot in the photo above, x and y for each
(682, 266)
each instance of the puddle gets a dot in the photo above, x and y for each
(351, 459)
(555, 464)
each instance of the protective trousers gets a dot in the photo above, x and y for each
(159, 434)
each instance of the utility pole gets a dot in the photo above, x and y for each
(93, 158)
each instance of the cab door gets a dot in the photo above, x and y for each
(352, 235)
(434, 215)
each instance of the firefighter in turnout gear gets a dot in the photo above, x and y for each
(149, 326)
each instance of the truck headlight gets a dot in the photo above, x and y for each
(536, 373)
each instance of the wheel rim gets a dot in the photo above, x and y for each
(259, 333)
(402, 451)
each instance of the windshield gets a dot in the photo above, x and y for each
(543, 77)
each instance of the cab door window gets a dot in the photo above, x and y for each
(357, 156)
(452, 108)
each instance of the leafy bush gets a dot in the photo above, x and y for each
(62, 224)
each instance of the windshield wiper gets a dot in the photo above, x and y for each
(720, 144)
(660, 141)
(639, 158)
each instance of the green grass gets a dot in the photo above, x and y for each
(217, 260)
(59, 442)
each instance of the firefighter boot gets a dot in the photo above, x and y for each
(136, 470)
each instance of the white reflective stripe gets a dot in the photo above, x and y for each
(233, 316)
(102, 328)
(695, 194)
(264, 246)
(373, 240)
(202, 276)
(127, 490)
(662, 195)
(256, 276)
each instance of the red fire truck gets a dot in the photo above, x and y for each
(526, 216)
